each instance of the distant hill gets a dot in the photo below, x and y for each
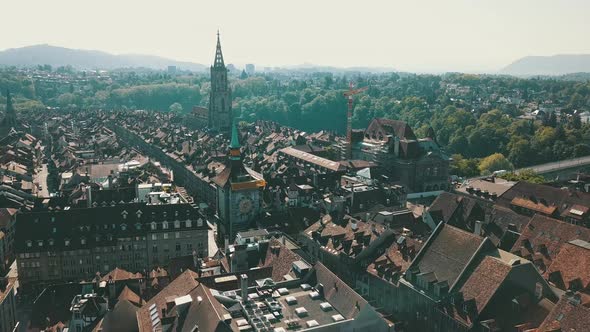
(549, 65)
(86, 59)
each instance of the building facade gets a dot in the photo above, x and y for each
(418, 164)
(73, 244)
(220, 112)
(8, 321)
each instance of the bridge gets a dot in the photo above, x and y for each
(563, 168)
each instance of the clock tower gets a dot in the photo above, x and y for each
(238, 192)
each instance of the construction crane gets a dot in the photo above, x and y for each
(348, 94)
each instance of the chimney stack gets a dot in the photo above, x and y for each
(244, 286)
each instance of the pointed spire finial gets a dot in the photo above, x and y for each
(218, 55)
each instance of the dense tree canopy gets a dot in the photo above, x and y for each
(472, 116)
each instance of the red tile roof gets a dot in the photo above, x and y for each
(571, 265)
(567, 316)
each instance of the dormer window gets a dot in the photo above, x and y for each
(124, 214)
(165, 225)
(40, 243)
(67, 242)
(50, 242)
(29, 243)
(138, 214)
(138, 226)
(54, 230)
(123, 227)
(176, 223)
(154, 226)
(176, 213)
(199, 222)
(83, 241)
(189, 223)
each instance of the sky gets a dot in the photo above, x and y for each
(411, 35)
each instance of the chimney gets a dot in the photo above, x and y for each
(196, 260)
(89, 196)
(110, 179)
(244, 286)
(112, 289)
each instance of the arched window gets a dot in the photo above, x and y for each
(176, 223)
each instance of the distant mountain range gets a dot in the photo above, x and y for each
(549, 65)
(86, 59)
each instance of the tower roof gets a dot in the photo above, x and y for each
(235, 139)
(218, 55)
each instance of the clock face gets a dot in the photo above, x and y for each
(245, 205)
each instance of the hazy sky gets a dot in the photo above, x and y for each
(413, 35)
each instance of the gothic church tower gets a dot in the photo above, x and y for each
(220, 113)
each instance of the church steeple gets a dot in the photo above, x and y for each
(218, 55)
(234, 145)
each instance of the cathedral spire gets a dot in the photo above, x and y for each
(218, 55)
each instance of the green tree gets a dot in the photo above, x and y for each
(175, 108)
(494, 162)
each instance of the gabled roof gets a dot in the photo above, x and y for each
(571, 265)
(543, 237)
(120, 274)
(348, 302)
(181, 286)
(566, 316)
(447, 252)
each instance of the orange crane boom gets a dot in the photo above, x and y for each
(349, 94)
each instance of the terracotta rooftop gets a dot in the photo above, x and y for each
(570, 268)
(120, 274)
(543, 237)
(568, 316)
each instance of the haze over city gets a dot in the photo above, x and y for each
(418, 36)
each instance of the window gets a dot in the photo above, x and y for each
(97, 238)
(189, 223)
(199, 222)
(176, 223)
(124, 215)
(40, 243)
(165, 225)
(177, 235)
(110, 237)
(54, 230)
(155, 248)
(189, 246)
(177, 246)
(29, 243)
(67, 242)
(50, 242)
(52, 219)
(83, 241)
(138, 226)
(154, 236)
(154, 226)
(123, 227)
(165, 236)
